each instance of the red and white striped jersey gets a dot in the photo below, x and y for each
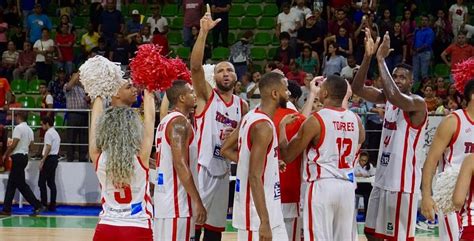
(170, 198)
(335, 153)
(211, 124)
(462, 142)
(130, 206)
(245, 214)
(467, 212)
(399, 163)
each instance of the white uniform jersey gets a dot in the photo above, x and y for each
(129, 206)
(170, 198)
(467, 212)
(245, 214)
(216, 117)
(335, 154)
(399, 163)
(462, 142)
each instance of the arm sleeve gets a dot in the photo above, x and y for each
(16, 133)
(49, 100)
(48, 140)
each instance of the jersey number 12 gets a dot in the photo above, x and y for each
(344, 145)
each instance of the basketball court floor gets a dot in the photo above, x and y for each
(76, 228)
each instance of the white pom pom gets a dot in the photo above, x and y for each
(209, 74)
(101, 77)
(443, 189)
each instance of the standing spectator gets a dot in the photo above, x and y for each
(305, 89)
(12, 15)
(399, 46)
(76, 99)
(220, 9)
(458, 15)
(44, 49)
(9, 61)
(89, 40)
(322, 29)
(95, 11)
(134, 24)
(300, 10)
(102, 49)
(443, 35)
(296, 74)
(240, 54)
(458, 51)
(36, 23)
(340, 22)
(430, 99)
(342, 40)
(49, 163)
(422, 49)
(18, 37)
(359, 34)
(5, 100)
(65, 42)
(26, 63)
(192, 10)
(308, 62)
(361, 11)
(288, 22)
(56, 88)
(66, 20)
(26, 7)
(408, 28)
(386, 23)
(253, 92)
(333, 6)
(66, 7)
(348, 71)
(22, 140)
(238, 90)
(120, 51)
(364, 168)
(146, 35)
(111, 23)
(309, 33)
(3, 33)
(285, 54)
(157, 22)
(47, 101)
(333, 62)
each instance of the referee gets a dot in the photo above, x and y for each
(22, 140)
(49, 163)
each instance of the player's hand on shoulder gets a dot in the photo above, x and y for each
(288, 119)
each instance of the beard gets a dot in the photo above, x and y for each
(282, 103)
(224, 88)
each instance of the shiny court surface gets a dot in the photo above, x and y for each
(74, 228)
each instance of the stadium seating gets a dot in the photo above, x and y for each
(19, 86)
(177, 23)
(234, 23)
(248, 23)
(27, 101)
(258, 54)
(175, 38)
(266, 23)
(169, 10)
(220, 54)
(183, 52)
(237, 11)
(270, 11)
(33, 87)
(253, 11)
(442, 70)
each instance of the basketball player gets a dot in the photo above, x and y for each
(331, 137)
(176, 163)
(218, 112)
(463, 196)
(392, 205)
(120, 146)
(452, 143)
(257, 211)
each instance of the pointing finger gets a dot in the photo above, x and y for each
(208, 11)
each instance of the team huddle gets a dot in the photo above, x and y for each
(276, 149)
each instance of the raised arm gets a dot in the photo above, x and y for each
(202, 89)
(463, 182)
(164, 107)
(442, 138)
(180, 135)
(148, 124)
(310, 129)
(368, 93)
(229, 147)
(313, 94)
(408, 103)
(97, 109)
(261, 135)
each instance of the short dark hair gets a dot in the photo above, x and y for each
(23, 115)
(269, 80)
(404, 66)
(272, 65)
(363, 153)
(177, 89)
(469, 90)
(285, 5)
(295, 89)
(284, 35)
(45, 29)
(47, 120)
(336, 86)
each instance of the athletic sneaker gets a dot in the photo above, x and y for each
(426, 225)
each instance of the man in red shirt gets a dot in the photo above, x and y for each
(340, 21)
(65, 42)
(296, 74)
(193, 10)
(5, 97)
(458, 51)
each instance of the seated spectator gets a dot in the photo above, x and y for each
(459, 51)
(12, 15)
(359, 106)
(102, 49)
(364, 168)
(359, 36)
(36, 23)
(308, 62)
(340, 22)
(67, 21)
(3, 33)
(342, 40)
(161, 40)
(385, 23)
(134, 24)
(348, 71)
(89, 40)
(305, 89)
(111, 23)
(13, 104)
(146, 35)
(18, 37)
(288, 22)
(47, 102)
(408, 25)
(364, 9)
(454, 94)
(296, 74)
(285, 54)
(399, 46)
(9, 61)
(120, 52)
(300, 10)
(322, 30)
(26, 63)
(240, 54)
(441, 90)
(269, 67)
(430, 99)
(44, 49)
(65, 42)
(309, 33)
(295, 94)
(157, 22)
(443, 35)
(239, 91)
(56, 88)
(134, 40)
(333, 62)
(253, 93)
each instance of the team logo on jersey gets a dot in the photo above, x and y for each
(276, 191)
(350, 176)
(389, 228)
(225, 120)
(136, 208)
(385, 159)
(160, 181)
(217, 152)
(237, 185)
(469, 147)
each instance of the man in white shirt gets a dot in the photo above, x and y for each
(300, 10)
(289, 22)
(49, 162)
(457, 16)
(348, 71)
(22, 140)
(157, 22)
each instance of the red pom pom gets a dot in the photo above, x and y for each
(153, 71)
(462, 73)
